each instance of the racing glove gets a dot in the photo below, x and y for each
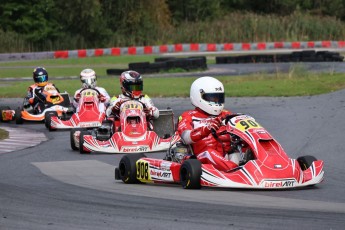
(203, 131)
(102, 98)
(77, 97)
(148, 112)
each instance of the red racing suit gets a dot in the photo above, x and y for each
(205, 147)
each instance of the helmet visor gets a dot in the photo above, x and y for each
(41, 78)
(217, 98)
(133, 86)
(88, 81)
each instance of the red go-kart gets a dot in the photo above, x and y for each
(264, 164)
(87, 115)
(132, 136)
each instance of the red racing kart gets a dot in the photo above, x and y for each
(88, 115)
(132, 136)
(264, 164)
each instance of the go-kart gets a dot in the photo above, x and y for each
(133, 135)
(264, 163)
(55, 103)
(87, 115)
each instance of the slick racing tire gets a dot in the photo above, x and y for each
(72, 142)
(306, 161)
(190, 174)
(18, 116)
(127, 170)
(48, 119)
(81, 141)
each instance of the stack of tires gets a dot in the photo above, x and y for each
(298, 56)
(164, 64)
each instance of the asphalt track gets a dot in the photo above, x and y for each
(49, 186)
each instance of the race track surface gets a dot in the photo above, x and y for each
(49, 186)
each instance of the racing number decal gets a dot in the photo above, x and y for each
(131, 106)
(88, 93)
(142, 170)
(247, 124)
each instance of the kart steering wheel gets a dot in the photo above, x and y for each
(228, 117)
(91, 89)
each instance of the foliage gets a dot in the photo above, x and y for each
(41, 25)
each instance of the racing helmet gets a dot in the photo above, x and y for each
(40, 76)
(207, 93)
(131, 84)
(88, 78)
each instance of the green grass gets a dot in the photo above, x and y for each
(3, 134)
(298, 82)
(238, 86)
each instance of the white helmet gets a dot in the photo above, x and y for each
(207, 93)
(88, 78)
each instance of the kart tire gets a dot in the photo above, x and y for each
(48, 118)
(127, 170)
(81, 141)
(72, 142)
(190, 174)
(306, 161)
(18, 116)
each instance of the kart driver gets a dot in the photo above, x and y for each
(35, 96)
(196, 126)
(131, 83)
(88, 79)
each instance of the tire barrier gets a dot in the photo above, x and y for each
(298, 56)
(163, 64)
(174, 48)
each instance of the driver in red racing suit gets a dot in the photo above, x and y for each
(196, 126)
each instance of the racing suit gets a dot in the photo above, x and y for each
(104, 99)
(192, 127)
(36, 98)
(150, 109)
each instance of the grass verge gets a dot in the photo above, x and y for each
(297, 82)
(3, 134)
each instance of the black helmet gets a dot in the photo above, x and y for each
(40, 76)
(131, 83)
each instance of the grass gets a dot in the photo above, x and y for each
(3, 134)
(297, 82)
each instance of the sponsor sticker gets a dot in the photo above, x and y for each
(278, 183)
(131, 149)
(89, 124)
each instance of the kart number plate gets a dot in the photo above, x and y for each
(55, 100)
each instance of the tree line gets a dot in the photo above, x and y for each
(38, 25)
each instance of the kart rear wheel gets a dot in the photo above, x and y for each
(48, 119)
(306, 161)
(18, 116)
(127, 171)
(71, 137)
(190, 174)
(81, 141)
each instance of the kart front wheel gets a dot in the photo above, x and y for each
(306, 161)
(81, 141)
(127, 171)
(71, 136)
(190, 174)
(18, 116)
(48, 119)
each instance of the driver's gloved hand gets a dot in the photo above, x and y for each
(77, 97)
(211, 124)
(102, 98)
(148, 112)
